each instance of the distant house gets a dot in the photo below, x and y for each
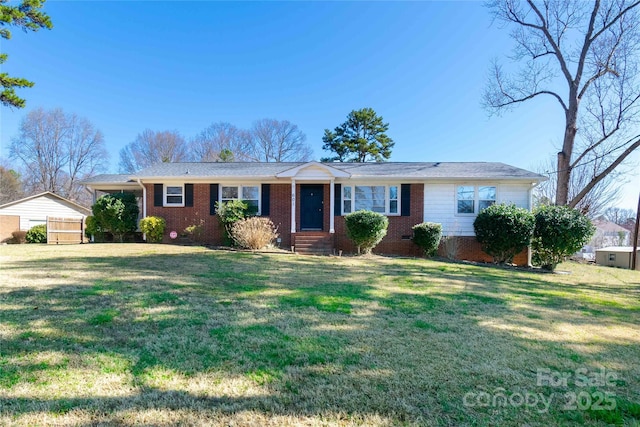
(308, 201)
(617, 256)
(25, 213)
(607, 234)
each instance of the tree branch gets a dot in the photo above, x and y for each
(596, 179)
(545, 30)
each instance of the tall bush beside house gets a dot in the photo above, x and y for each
(427, 236)
(253, 233)
(366, 229)
(37, 234)
(229, 213)
(116, 214)
(91, 228)
(559, 232)
(153, 227)
(504, 231)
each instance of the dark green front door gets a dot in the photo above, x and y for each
(311, 206)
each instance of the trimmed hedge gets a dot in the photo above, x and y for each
(366, 229)
(427, 236)
(504, 231)
(559, 232)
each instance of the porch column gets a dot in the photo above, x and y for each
(332, 202)
(293, 205)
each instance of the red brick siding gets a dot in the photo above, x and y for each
(180, 218)
(399, 226)
(280, 212)
(469, 249)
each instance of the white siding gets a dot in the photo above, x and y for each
(440, 204)
(517, 194)
(37, 210)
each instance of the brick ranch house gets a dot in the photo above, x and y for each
(308, 201)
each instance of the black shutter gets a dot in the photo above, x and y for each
(337, 200)
(158, 190)
(188, 195)
(266, 199)
(405, 200)
(213, 198)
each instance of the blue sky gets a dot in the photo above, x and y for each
(128, 66)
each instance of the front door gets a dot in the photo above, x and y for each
(311, 206)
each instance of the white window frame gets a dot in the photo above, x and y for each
(165, 203)
(476, 198)
(240, 188)
(387, 200)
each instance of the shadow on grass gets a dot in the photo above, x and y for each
(399, 338)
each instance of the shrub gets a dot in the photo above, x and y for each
(116, 214)
(91, 228)
(559, 232)
(230, 212)
(504, 231)
(19, 237)
(195, 231)
(427, 236)
(37, 234)
(153, 227)
(253, 233)
(366, 229)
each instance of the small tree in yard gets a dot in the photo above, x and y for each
(153, 227)
(427, 236)
(559, 232)
(504, 231)
(229, 213)
(366, 229)
(116, 214)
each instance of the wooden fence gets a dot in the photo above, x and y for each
(64, 231)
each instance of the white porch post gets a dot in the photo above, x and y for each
(332, 202)
(293, 206)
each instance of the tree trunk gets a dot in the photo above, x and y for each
(564, 156)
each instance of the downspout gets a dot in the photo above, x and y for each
(144, 204)
(530, 194)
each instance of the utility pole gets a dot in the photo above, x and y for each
(634, 255)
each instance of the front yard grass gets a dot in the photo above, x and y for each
(164, 335)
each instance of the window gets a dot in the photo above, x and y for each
(466, 195)
(377, 198)
(393, 199)
(346, 200)
(486, 197)
(471, 199)
(174, 195)
(612, 257)
(249, 194)
(370, 198)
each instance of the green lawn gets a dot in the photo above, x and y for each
(164, 335)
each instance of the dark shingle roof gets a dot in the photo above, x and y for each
(109, 178)
(408, 170)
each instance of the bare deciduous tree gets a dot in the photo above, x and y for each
(10, 183)
(221, 142)
(278, 141)
(150, 148)
(57, 150)
(591, 49)
(605, 193)
(622, 217)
